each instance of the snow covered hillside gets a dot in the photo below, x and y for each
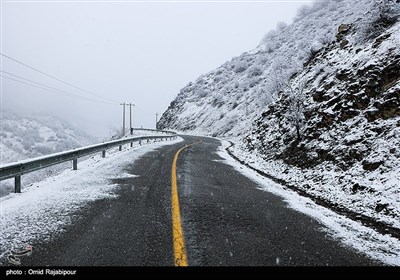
(23, 137)
(349, 146)
(316, 105)
(227, 100)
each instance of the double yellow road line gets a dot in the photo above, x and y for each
(180, 255)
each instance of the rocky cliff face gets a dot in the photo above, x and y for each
(351, 100)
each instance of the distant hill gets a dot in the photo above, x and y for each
(24, 137)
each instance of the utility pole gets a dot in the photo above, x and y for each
(156, 120)
(130, 117)
(123, 119)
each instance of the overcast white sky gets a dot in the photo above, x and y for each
(140, 52)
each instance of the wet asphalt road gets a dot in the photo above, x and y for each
(226, 220)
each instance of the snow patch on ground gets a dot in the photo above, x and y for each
(126, 175)
(43, 210)
(351, 233)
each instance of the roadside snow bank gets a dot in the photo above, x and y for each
(351, 233)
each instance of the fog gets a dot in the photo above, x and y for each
(139, 52)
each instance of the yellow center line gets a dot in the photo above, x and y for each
(180, 256)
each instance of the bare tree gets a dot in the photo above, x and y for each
(279, 85)
(295, 113)
(277, 82)
(382, 15)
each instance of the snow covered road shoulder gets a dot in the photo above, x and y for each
(44, 209)
(351, 233)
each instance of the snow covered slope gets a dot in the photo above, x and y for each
(24, 137)
(316, 105)
(349, 151)
(227, 100)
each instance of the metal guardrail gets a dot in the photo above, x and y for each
(15, 170)
(155, 130)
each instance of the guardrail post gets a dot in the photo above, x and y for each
(140, 142)
(103, 154)
(75, 164)
(18, 184)
(120, 148)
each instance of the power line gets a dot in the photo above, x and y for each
(52, 88)
(55, 78)
(45, 87)
(29, 84)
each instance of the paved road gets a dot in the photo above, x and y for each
(226, 220)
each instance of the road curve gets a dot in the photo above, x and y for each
(225, 219)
